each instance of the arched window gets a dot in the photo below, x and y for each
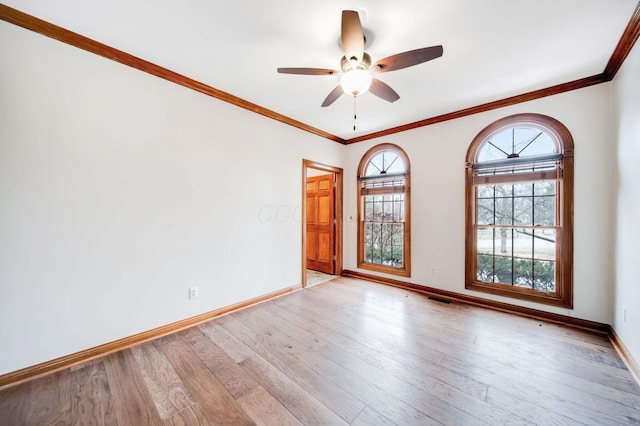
(383, 211)
(519, 210)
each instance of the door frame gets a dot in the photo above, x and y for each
(337, 201)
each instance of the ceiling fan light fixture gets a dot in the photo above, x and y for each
(356, 64)
(356, 81)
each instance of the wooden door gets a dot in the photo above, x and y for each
(320, 223)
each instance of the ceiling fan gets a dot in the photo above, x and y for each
(356, 64)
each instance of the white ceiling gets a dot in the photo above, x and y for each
(493, 49)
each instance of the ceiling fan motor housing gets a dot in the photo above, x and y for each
(348, 65)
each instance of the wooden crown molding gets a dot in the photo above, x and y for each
(626, 43)
(47, 29)
(628, 39)
(513, 100)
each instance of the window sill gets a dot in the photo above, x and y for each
(552, 299)
(402, 272)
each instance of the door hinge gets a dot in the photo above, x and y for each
(334, 257)
(335, 221)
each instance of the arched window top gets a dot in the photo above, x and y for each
(384, 159)
(519, 144)
(519, 141)
(385, 162)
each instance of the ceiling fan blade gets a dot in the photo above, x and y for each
(306, 71)
(352, 37)
(407, 59)
(333, 96)
(383, 91)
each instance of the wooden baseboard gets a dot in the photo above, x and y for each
(67, 361)
(485, 303)
(624, 353)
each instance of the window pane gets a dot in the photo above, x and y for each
(503, 243)
(544, 244)
(485, 268)
(398, 235)
(392, 242)
(484, 243)
(520, 257)
(523, 211)
(522, 204)
(545, 210)
(504, 205)
(522, 272)
(368, 209)
(372, 233)
(377, 208)
(544, 268)
(485, 191)
(485, 212)
(521, 141)
(523, 189)
(503, 269)
(387, 207)
(383, 235)
(385, 162)
(523, 253)
(544, 273)
(546, 187)
(485, 240)
(398, 256)
(398, 208)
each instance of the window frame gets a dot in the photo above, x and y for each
(563, 296)
(405, 270)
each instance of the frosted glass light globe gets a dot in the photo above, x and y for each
(355, 82)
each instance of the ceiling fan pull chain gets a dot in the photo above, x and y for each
(354, 113)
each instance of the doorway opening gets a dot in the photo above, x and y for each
(321, 222)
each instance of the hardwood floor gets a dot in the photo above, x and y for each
(344, 352)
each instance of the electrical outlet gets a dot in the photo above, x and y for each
(433, 270)
(193, 293)
(624, 314)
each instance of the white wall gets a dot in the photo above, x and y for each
(119, 191)
(626, 96)
(437, 154)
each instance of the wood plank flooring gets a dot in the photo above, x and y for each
(344, 352)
